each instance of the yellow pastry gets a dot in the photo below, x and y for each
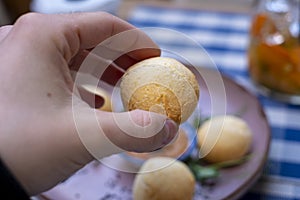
(164, 178)
(224, 138)
(161, 85)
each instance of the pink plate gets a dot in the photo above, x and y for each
(98, 181)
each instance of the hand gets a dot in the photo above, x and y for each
(48, 131)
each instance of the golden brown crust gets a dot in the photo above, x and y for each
(224, 138)
(161, 85)
(156, 98)
(163, 178)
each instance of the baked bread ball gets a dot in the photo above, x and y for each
(224, 138)
(161, 85)
(164, 178)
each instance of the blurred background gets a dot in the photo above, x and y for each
(10, 10)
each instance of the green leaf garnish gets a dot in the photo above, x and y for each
(203, 173)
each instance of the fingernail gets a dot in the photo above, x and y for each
(170, 129)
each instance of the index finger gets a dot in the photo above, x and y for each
(109, 31)
(71, 33)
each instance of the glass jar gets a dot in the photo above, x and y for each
(274, 49)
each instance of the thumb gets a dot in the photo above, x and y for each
(107, 133)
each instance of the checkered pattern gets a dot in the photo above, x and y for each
(225, 38)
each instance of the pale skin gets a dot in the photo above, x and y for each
(39, 142)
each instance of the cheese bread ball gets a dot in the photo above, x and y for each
(161, 85)
(163, 178)
(224, 138)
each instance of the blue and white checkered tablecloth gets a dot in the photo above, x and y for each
(225, 38)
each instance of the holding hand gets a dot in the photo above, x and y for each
(39, 140)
